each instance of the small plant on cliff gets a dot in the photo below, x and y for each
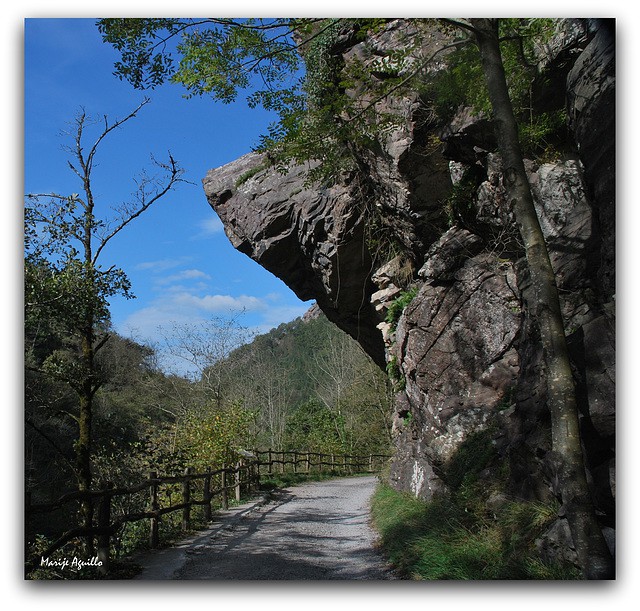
(398, 306)
(250, 173)
(398, 381)
(459, 206)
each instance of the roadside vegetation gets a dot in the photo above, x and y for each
(475, 530)
(447, 539)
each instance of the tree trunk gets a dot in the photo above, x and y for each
(593, 554)
(84, 442)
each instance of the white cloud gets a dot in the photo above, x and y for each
(184, 307)
(212, 225)
(187, 274)
(219, 303)
(177, 305)
(161, 265)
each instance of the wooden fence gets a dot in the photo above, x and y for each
(195, 489)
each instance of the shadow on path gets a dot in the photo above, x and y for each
(316, 531)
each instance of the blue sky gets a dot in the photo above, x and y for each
(181, 264)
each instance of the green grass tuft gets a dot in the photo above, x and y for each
(440, 540)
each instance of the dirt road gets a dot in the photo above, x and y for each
(318, 530)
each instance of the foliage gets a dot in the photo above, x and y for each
(542, 135)
(213, 437)
(294, 68)
(311, 361)
(218, 56)
(440, 539)
(398, 306)
(459, 206)
(461, 85)
(313, 428)
(541, 130)
(221, 57)
(395, 374)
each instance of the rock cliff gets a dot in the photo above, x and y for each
(430, 215)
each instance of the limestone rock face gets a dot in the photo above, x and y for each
(314, 240)
(467, 353)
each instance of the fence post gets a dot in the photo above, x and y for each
(104, 521)
(154, 535)
(186, 498)
(308, 462)
(223, 485)
(238, 465)
(206, 495)
(282, 463)
(255, 475)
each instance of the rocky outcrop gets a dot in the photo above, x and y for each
(591, 109)
(313, 239)
(464, 354)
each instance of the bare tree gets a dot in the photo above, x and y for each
(64, 235)
(204, 349)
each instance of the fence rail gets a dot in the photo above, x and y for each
(243, 477)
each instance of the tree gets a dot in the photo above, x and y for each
(204, 348)
(343, 122)
(65, 281)
(593, 553)
(268, 394)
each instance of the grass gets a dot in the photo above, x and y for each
(250, 174)
(443, 540)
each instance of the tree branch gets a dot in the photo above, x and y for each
(175, 173)
(108, 129)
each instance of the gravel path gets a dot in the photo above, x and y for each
(318, 530)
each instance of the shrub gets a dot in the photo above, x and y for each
(399, 304)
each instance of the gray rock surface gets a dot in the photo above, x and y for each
(314, 240)
(456, 343)
(591, 97)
